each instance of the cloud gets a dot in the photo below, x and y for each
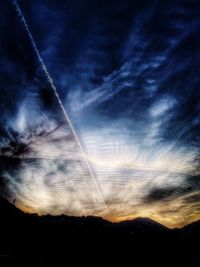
(128, 75)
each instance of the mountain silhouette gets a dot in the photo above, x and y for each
(32, 240)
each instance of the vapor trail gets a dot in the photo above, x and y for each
(53, 87)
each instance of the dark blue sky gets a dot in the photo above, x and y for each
(128, 76)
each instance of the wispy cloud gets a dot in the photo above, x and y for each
(127, 74)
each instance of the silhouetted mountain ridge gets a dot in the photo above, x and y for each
(33, 240)
(8, 209)
(142, 221)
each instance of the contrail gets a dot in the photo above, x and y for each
(53, 87)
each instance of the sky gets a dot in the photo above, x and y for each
(127, 76)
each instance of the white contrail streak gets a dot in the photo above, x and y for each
(44, 68)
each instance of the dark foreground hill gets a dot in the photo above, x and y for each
(30, 240)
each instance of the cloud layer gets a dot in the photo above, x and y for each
(127, 73)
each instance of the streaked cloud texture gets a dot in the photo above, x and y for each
(128, 76)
